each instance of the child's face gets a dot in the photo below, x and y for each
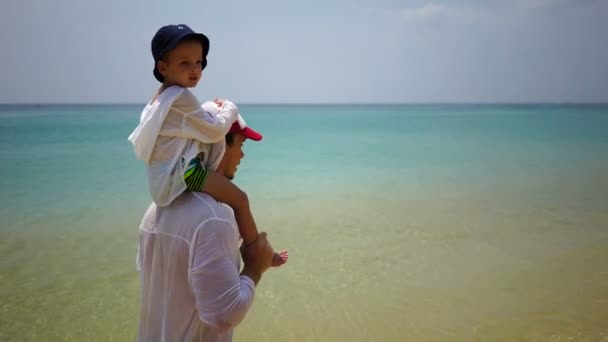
(182, 65)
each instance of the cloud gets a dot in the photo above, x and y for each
(420, 13)
(538, 4)
(531, 5)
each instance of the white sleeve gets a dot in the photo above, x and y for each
(222, 296)
(209, 127)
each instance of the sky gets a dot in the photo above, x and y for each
(341, 51)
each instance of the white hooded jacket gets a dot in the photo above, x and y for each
(174, 128)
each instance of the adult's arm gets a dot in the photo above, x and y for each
(223, 297)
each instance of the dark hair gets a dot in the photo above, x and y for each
(229, 138)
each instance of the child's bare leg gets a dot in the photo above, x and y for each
(223, 190)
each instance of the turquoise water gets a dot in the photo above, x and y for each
(404, 222)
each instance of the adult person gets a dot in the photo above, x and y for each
(189, 260)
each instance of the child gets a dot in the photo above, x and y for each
(175, 131)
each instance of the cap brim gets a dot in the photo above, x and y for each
(177, 39)
(251, 134)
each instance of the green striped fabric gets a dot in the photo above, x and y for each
(195, 175)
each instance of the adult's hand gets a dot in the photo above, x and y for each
(257, 258)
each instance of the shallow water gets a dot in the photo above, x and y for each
(410, 223)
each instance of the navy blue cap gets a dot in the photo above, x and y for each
(167, 38)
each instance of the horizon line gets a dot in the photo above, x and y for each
(329, 103)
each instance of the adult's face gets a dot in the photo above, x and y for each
(233, 155)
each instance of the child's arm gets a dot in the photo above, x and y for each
(200, 123)
(199, 179)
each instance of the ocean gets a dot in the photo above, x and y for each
(453, 222)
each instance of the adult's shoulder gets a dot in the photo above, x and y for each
(196, 207)
(219, 210)
(186, 213)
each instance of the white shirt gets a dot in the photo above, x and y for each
(173, 129)
(189, 260)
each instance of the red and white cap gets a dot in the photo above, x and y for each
(239, 126)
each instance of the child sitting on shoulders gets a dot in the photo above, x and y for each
(175, 132)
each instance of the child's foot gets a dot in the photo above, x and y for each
(280, 258)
